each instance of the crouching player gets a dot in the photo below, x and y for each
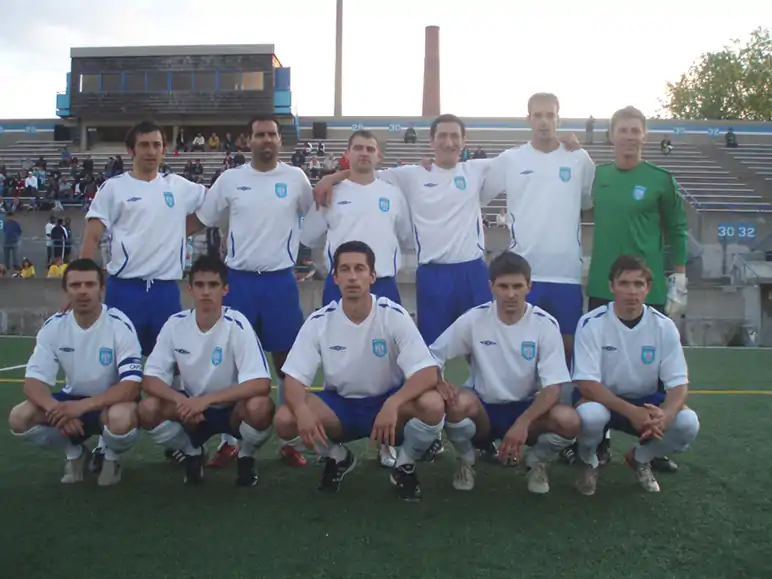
(98, 350)
(518, 365)
(379, 378)
(623, 351)
(224, 375)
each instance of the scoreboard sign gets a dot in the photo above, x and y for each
(742, 233)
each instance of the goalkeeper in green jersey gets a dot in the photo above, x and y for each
(637, 211)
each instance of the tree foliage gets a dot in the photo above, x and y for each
(734, 83)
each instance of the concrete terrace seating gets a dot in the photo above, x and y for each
(756, 156)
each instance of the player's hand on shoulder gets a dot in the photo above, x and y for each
(570, 142)
(449, 392)
(385, 425)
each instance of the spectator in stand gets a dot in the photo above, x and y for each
(329, 164)
(182, 142)
(666, 146)
(11, 238)
(27, 269)
(198, 143)
(589, 130)
(215, 176)
(239, 143)
(465, 154)
(187, 171)
(227, 162)
(57, 268)
(31, 187)
(501, 218)
(109, 167)
(89, 189)
(298, 158)
(244, 143)
(118, 169)
(65, 157)
(214, 142)
(198, 168)
(88, 166)
(344, 163)
(228, 144)
(58, 239)
(320, 151)
(411, 137)
(68, 239)
(730, 139)
(238, 160)
(480, 154)
(315, 168)
(306, 148)
(41, 163)
(49, 244)
(2, 191)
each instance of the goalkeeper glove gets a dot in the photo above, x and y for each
(676, 295)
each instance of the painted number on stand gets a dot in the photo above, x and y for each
(714, 131)
(679, 131)
(395, 128)
(357, 127)
(736, 232)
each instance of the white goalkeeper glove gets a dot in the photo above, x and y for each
(676, 295)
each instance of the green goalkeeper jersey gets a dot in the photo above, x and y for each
(636, 212)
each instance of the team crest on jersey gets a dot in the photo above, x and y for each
(565, 174)
(528, 350)
(460, 182)
(105, 356)
(639, 191)
(169, 198)
(217, 356)
(281, 190)
(648, 353)
(384, 204)
(379, 348)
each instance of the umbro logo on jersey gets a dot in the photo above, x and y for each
(337, 348)
(430, 185)
(344, 202)
(181, 351)
(487, 342)
(66, 349)
(610, 348)
(244, 188)
(526, 172)
(133, 199)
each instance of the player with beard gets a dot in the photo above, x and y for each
(262, 202)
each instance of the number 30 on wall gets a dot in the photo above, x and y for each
(736, 232)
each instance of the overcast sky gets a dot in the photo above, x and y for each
(597, 55)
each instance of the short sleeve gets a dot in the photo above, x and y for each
(673, 370)
(103, 206)
(43, 365)
(161, 362)
(314, 226)
(305, 357)
(551, 362)
(128, 351)
(251, 363)
(306, 200)
(215, 204)
(587, 355)
(495, 182)
(413, 353)
(454, 342)
(398, 176)
(194, 193)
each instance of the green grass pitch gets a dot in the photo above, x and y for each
(713, 519)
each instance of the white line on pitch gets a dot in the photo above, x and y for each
(9, 368)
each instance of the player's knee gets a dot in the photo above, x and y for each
(566, 420)
(21, 417)
(686, 426)
(593, 416)
(259, 412)
(430, 407)
(462, 407)
(121, 418)
(149, 413)
(284, 423)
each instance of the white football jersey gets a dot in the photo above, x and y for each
(226, 355)
(445, 208)
(146, 221)
(263, 211)
(92, 359)
(546, 193)
(359, 360)
(376, 214)
(509, 362)
(629, 361)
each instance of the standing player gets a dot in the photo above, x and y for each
(547, 188)
(224, 375)
(637, 208)
(379, 377)
(518, 365)
(367, 209)
(262, 203)
(623, 350)
(97, 349)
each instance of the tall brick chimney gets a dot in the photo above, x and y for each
(431, 105)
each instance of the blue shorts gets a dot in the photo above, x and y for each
(621, 423)
(92, 426)
(385, 287)
(445, 291)
(356, 415)
(271, 303)
(216, 421)
(563, 301)
(502, 417)
(148, 304)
